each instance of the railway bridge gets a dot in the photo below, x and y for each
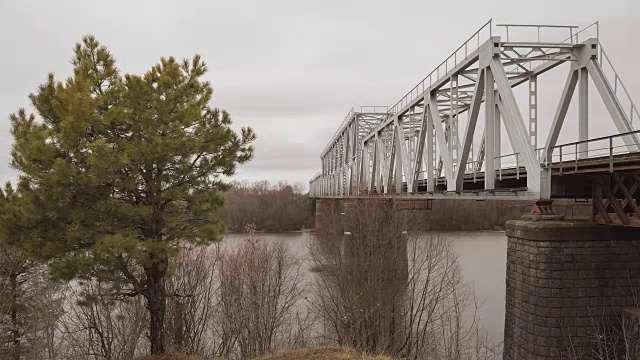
(475, 128)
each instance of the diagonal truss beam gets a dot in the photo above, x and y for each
(442, 143)
(514, 124)
(561, 113)
(470, 130)
(612, 104)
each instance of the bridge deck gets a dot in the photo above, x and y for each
(511, 182)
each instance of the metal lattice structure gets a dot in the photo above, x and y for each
(423, 145)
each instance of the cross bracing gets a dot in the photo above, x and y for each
(424, 144)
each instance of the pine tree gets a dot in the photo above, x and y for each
(122, 169)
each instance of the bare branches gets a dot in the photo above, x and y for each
(385, 289)
(260, 285)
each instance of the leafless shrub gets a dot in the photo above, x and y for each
(611, 336)
(192, 288)
(382, 289)
(98, 326)
(260, 285)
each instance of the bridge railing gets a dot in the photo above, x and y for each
(538, 33)
(609, 150)
(621, 92)
(610, 73)
(585, 33)
(377, 109)
(468, 47)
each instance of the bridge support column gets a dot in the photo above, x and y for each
(328, 216)
(565, 281)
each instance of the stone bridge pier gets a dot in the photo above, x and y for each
(567, 283)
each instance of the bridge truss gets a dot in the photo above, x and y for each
(423, 145)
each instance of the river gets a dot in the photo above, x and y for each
(482, 256)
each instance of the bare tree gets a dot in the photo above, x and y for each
(270, 207)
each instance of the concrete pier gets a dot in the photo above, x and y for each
(565, 282)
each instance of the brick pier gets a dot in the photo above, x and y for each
(565, 279)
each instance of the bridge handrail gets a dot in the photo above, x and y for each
(595, 24)
(565, 145)
(595, 139)
(540, 26)
(603, 59)
(374, 109)
(398, 105)
(549, 160)
(616, 80)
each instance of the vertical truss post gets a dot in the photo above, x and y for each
(386, 166)
(339, 162)
(323, 176)
(375, 177)
(399, 139)
(471, 164)
(490, 131)
(434, 149)
(583, 114)
(363, 176)
(425, 132)
(445, 155)
(404, 153)
(330, 173)
(533, 111)
(410, 160)
(384, 163)
(453, 120)
(498, 128)
(354, 154)
(431, 147)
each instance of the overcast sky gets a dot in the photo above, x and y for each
(289, 69)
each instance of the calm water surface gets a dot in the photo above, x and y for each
(482, 256)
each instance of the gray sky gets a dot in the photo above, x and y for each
(289, 69)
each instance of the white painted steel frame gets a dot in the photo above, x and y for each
(393, 150)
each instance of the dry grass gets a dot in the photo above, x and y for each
(169, 357)
(324, 354)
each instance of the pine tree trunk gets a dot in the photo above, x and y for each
(156, 304)
(15, 331)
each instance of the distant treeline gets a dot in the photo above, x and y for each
(267, 207)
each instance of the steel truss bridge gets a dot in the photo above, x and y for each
(422, 147)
